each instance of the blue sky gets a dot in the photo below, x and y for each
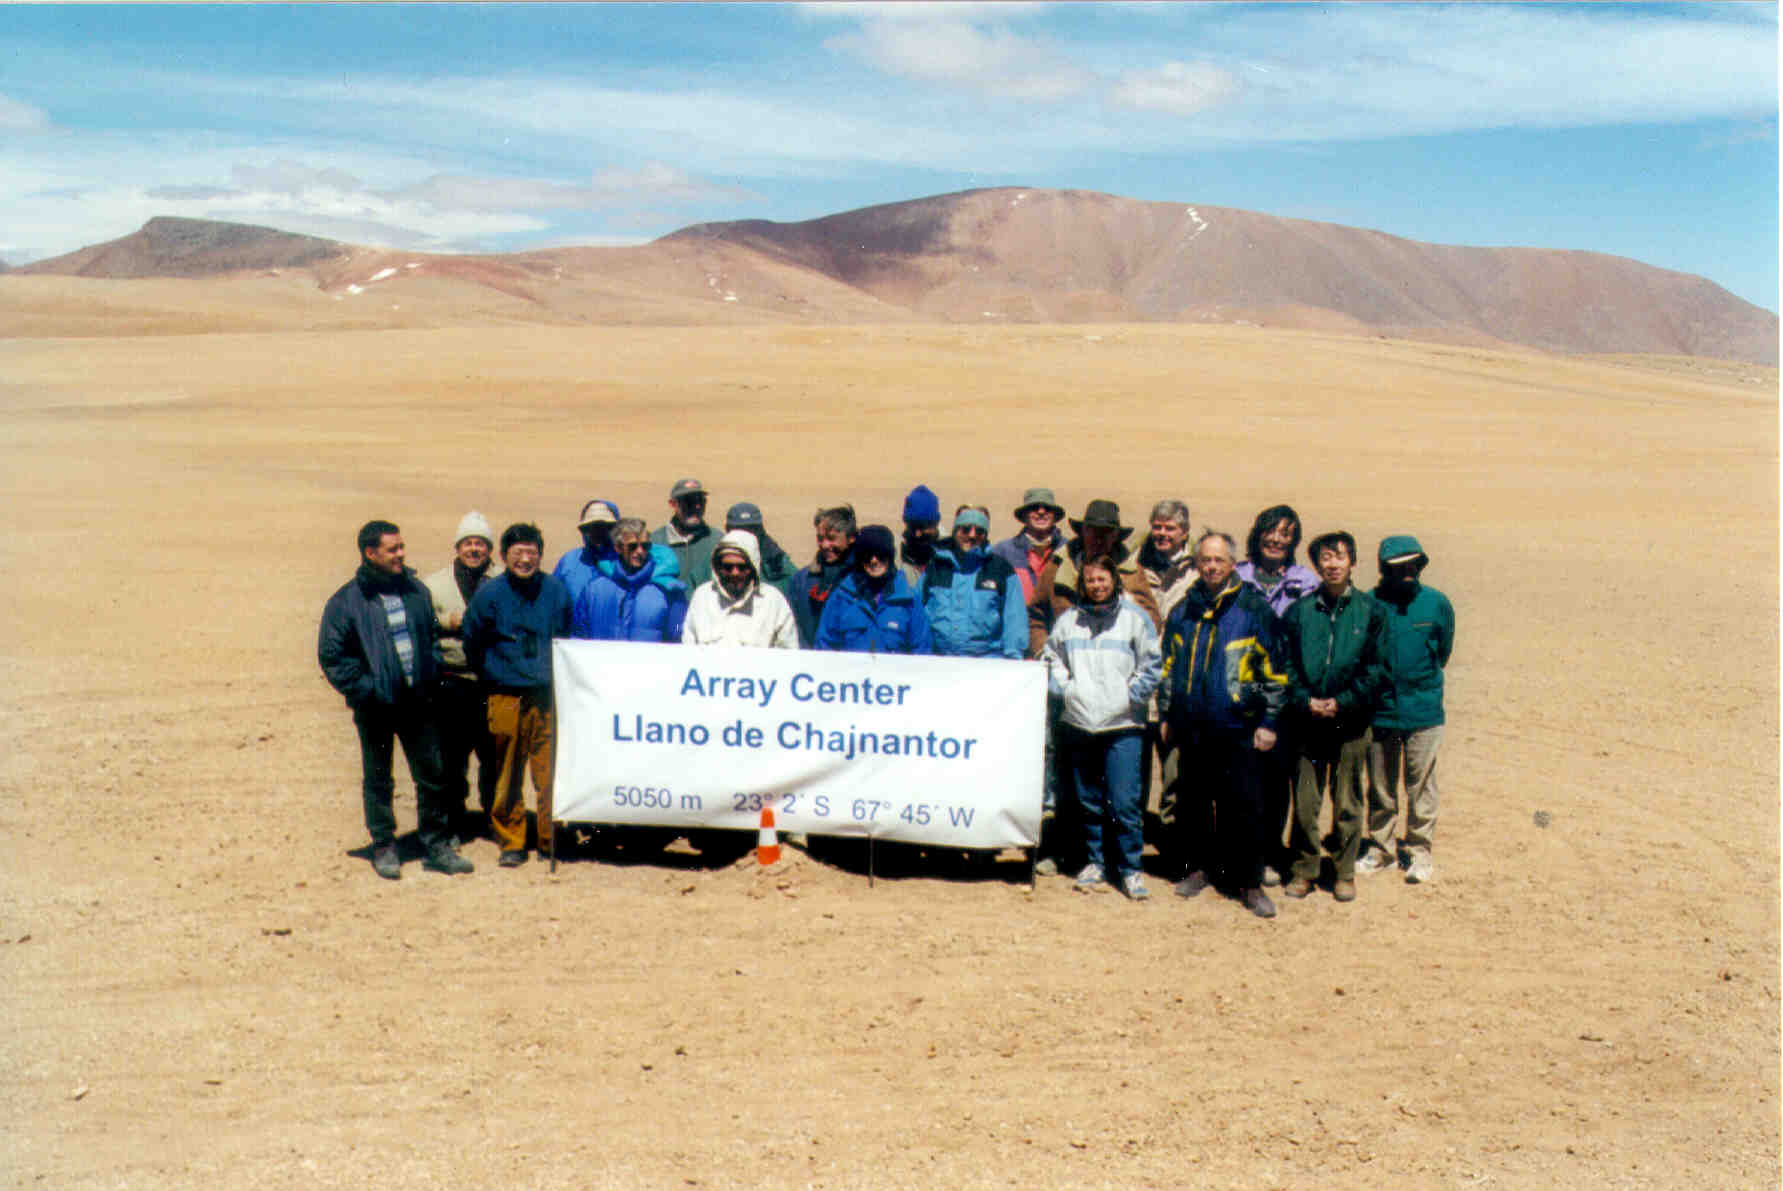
(1647, 131)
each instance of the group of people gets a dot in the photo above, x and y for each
(1255, 689)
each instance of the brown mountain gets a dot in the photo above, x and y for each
(167, 246)
(1007, 255)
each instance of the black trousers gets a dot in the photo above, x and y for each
(464, 733)
(1219, 805)
(410, 720)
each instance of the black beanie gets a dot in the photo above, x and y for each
(875, 540)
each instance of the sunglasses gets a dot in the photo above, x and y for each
(733, 568)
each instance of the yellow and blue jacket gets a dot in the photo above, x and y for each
(1222, 660)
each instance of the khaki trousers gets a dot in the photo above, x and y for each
(521, 727)
(1341, 776)
(1415, 753)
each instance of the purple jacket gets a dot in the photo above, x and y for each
(1296, 581)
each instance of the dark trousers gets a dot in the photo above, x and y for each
(380, 726)
(1219, 805)
(464, 733)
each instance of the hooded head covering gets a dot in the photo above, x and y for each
(739, 541)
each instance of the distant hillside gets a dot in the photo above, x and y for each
(1004, 255)
(1068, 256)
(170, 247)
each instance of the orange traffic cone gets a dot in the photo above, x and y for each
(767, 840)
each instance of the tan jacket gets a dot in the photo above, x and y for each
(448, 611)
(1066, 592)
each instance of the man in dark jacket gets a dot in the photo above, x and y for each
(508, 631)
(1220, 696)
(1334, 642)
(1408, 724)
(379, 647)
(809, 587)
(922, 531)
(776, 566)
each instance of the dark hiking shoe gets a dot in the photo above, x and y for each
(386, 863)
(1193, 884)
(1257, 902)
(1298, 887)
(1344, 891)
(512, 859)
(444, 859)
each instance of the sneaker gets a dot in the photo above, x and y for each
(386, 863)
(1271, 878)
(512, 859)
(1344, 891)
(445, 859)
(1298, 887)
(1133, 885)
(1258, 903)
(1193, 884)
(1046, 866)
(1090, 880)
(1375, 861)
(1422, 870)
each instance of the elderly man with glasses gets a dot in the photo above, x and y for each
(631, 604)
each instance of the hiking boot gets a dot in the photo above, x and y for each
(512, 859)
(1257, 902)
(1046, 866)
(1344, 891)
(445, 859)
(1421, 870)
(1271, 878)
(1298, 887)
(1193, 884)
(1133, 885)
(386, 863)
(1089, 880)
(1375, 861)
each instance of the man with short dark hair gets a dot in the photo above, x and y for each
(687, 533)
(463, 712)
(1221, 693)
(1333, 642)
(1408, 725)
(378, 647)
(810, 587)
(508, 631)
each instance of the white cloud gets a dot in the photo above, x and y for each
(1177, 88)
(17, 116)
(947, 50)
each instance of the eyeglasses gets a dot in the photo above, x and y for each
(691, 502)
(733, 568)
(970, 531)
(634, 547)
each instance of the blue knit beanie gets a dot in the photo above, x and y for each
(922, 505)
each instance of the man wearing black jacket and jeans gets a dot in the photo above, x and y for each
(379, 647)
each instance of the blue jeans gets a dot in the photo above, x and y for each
(1104, 769)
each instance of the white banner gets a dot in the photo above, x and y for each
(930, 750)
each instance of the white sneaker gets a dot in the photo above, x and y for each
(1090, 880)
(1422, 870)
(1133, 885)
(1375, 861)
(1271, 878)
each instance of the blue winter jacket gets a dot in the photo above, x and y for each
(974, 604)
(854, 622)
(634, 607)
(1222, 660)
(508, 631)
(576, 570)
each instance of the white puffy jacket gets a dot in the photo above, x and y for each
(761, 617)
(1104, 666)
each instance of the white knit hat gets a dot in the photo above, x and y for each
(474, 525)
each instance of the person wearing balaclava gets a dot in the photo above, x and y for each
(872, 609)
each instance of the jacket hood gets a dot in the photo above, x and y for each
(1398, 545)
(740, 539)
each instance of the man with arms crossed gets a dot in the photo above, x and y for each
(378, 648)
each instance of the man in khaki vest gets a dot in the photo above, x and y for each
(463, 714)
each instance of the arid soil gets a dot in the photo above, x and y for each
(206, 985)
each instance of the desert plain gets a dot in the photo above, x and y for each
(205, 984)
